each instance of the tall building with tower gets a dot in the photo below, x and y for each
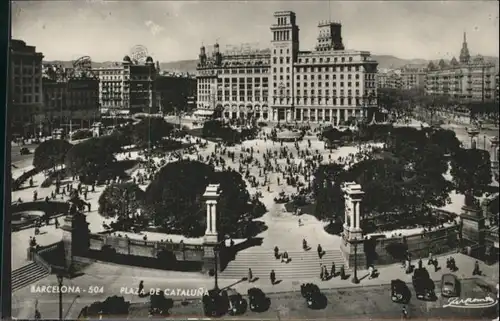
(468, 78)
(283, 83)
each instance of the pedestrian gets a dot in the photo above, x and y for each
(420, 263)
(250, 275)
(272, 276)
(436, 265)
(405, 312)
(320, 251)
(304, 244)
(300, 222)
(332, 270)
(276, 252)
(325, 272)
(430, 262)
(370, 272)
(141, 288)
(322, 272)
(476, 270)
(342, 272)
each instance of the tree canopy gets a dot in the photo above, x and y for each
(50, 153)
(175, 198)
(471, 170)
(88, 158)
(405, 177)
(150, 130)
(121, 200)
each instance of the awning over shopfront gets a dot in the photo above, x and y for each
(204, 112)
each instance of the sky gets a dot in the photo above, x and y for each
(175, 30)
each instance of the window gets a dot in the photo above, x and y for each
(281, 51)
(287, 59)
(314, 60)
(319, 84)
(275, 60)
(319, 77)
(357, 83)
(305, 77)
(341, 77)
(349, 76)
(349, 84)
(298, 77)
(320, 59)
(343, 59)
(350, 58)
(288, 51)
(327, 77)
(327, 59)
(341, 84)
(312, 77)
(281, 69)
(335, 59)
(327, 84)
(357, 76)
(334, 77)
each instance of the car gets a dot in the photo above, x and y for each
(214, 304)
(24, 151)
(314, 298)
(400, 293)
(258, 300)
(236, 304)
(450, 286)
(423, 284)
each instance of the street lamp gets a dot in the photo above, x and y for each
(60, 279)
(355, 279)
(216, 267)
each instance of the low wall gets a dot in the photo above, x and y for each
(150, 249)
(384, 251)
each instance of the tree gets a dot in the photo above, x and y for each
(87, 159)
(175, 198)
(446, 139)
(121, 200)
(150, 131)
(327, 191)
(471, 171)
(50, 153)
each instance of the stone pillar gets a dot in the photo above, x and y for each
(494, 153)
(358, 213)
(211, 238)
(331, 115)
(316, 114)
(338, 117)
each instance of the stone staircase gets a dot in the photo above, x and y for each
(303, 265)
(27, 275)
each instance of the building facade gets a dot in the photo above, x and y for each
(175, 93)
(25, 87)
(329, 84)
(413, 77)
(128, 87)
(70, 97)
(466, 79)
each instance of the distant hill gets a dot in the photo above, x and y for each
(385, 62)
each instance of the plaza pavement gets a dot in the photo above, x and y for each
(113, 277)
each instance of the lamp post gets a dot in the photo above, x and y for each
(216, 267)
(60, 279)
(355, 279)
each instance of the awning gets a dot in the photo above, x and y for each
(204, 112)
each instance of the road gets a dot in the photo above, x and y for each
(360, 303)
(20, 160)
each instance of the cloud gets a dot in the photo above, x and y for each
(153, 27)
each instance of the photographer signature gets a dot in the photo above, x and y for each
(471, 303)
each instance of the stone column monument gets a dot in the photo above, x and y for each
(353, 196)
(211, 238)
(473, 132)
(353, 234)
(76, 238)
(494, 153)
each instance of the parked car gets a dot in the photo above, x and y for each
(214, 304)
(450, 286)
(314, 298)
(258, 300)
(400, 293)
(423, 284)
(25, 151)
(236, 304)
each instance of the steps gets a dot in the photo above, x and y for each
(303, 265)
(27, 275)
